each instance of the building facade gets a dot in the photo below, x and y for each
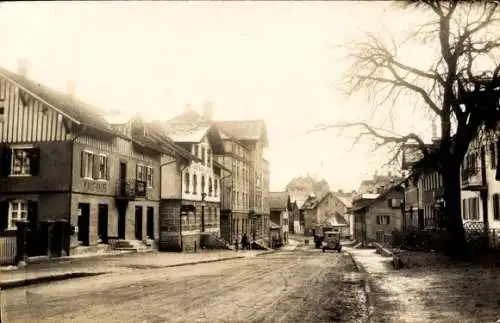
(63, 167)
(377, 214)
(190, 208)
(279, 206)
(251, 134)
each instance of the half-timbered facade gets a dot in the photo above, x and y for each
(62, 163)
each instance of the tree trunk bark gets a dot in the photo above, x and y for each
(453, 211)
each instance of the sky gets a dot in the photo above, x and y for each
(278, 61)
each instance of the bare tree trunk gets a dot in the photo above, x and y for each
(453, 205)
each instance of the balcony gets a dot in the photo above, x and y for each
(130, 189)
(472, 179)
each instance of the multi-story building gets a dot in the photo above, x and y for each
(236, 187)
(61, 161)
(190, 208)
(252, 134)
(266, 172)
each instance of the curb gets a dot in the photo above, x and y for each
(366, 286)
(46, 279)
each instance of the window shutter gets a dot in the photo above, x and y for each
(4, 215)
(95, 166)
(6, 162)
(388, 219)
(83, 164)
(106, 160)
(137, 173)
(497, 175)
(496, 213)
(35, 161)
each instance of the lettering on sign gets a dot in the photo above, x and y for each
(95, 186)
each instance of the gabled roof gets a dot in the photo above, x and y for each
(335, 220)
(190, 127)
(246, 130)
(344, 200)
(77, 111)
(368, 202)
(278, 200)
(310, 203)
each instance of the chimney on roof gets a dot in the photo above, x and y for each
(207, 110)
(71, 88)
(23, 67)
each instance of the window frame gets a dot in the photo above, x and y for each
(18, 211)
(26, 150)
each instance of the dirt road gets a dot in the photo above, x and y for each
(303, 285)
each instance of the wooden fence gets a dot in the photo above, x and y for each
(8, 249)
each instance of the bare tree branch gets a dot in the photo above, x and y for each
(368, 130)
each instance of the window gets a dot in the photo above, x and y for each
(496, 206)
(87, 164)
(20, 161)
(210, 187)
(203, 155)
(473, 208)
(149, 171)
(94, 166)
(209, 158)
(186, 182)
(103, 167)
(145, 174)
(383, 219)
(493, 157)
(215, 187)
(195, 184)
(196, 150)
(394, 203)
(18, 210)
(202, 184)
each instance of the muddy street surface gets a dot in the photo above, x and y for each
(304, 285)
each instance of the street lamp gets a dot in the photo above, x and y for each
(203, 195)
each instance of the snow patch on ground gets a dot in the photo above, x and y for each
(459, 293)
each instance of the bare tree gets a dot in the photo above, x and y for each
(457, 90)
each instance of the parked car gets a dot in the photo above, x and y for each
(331, 241)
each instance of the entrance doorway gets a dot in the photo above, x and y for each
(122, 217)
(102, 223)
(84, 223)
(150, 227)
(138, 222)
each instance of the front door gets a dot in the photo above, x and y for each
(138, 222)
(102, 223)
(122, 212)
(84, 223)
(150, 223)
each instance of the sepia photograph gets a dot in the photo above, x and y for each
(250, 161)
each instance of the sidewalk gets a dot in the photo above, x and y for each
(462, 293)
(80, 267)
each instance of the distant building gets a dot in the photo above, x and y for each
(300, 188)
(378, 183)
(279, 204)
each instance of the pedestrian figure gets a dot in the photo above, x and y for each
(236, 244)
(244, 241)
